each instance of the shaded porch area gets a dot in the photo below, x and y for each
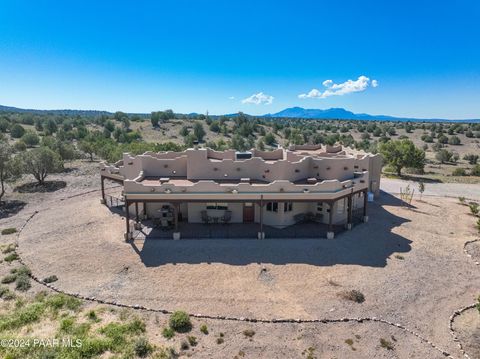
(166, 220)
(150, 230)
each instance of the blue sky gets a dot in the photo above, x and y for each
(194, 56)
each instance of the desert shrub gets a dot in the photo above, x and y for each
(192, 340)
(20, 146)
(22, 283)
(399, 256)
(184, 345)
(204, 329)
(50, 279)
(459, 172)
(471, 158)
(473, 208)
(7, 231)
(6, 294)
(249, 333)
(23, 270)
(59, 301)
(353, 295)
(180, 322)
(478, 224)
(9, 278)
(475, 171)
(461, 200)
(92, 315)
(349, 341)
(384, 343)
(142, 347)
(11, 257)
(220, 340)
(168, 333)
(10, 248)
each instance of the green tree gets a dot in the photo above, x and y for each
(402, 153)
(110, 126)
(30, 138)
(119, 115)
(50, 126)
(88, 147)
(40, 162)
(454, 140)
(17, 131)
(215, 126)
(198, 131)
(444, 156)
(4, 125)
(155, 118)
(8, 169)
(269, 139)
(184, 131)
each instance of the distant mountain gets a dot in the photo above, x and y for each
(342, 114)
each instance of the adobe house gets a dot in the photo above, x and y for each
(276, 188)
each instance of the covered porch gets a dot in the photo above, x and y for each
(304, 224)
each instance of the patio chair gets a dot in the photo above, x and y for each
(205, 218)
(227, 217)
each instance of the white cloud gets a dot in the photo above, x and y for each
(231, 98)
(259, 99)
(333, 89)
(327, 83)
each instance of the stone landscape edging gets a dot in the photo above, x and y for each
(463, 309)
(466, 251)
(231, 318)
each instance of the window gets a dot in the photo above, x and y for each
(219, 206)
(319, 206)
(287, 206)
(272, 207)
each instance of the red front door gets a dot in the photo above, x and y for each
(248, 212)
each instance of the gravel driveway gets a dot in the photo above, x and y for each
(469, 191)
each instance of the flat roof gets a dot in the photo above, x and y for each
(184, 181)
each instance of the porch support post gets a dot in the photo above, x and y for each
(176, 233)
(349, 212)
(137, 219)
(127, 219)
(330, 234)
(102, 181)
(365, 201)
(261, 234)
(144, 209)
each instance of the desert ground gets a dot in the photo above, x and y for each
(408, 261)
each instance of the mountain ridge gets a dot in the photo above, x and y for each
(339, 113)
(335, 113)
